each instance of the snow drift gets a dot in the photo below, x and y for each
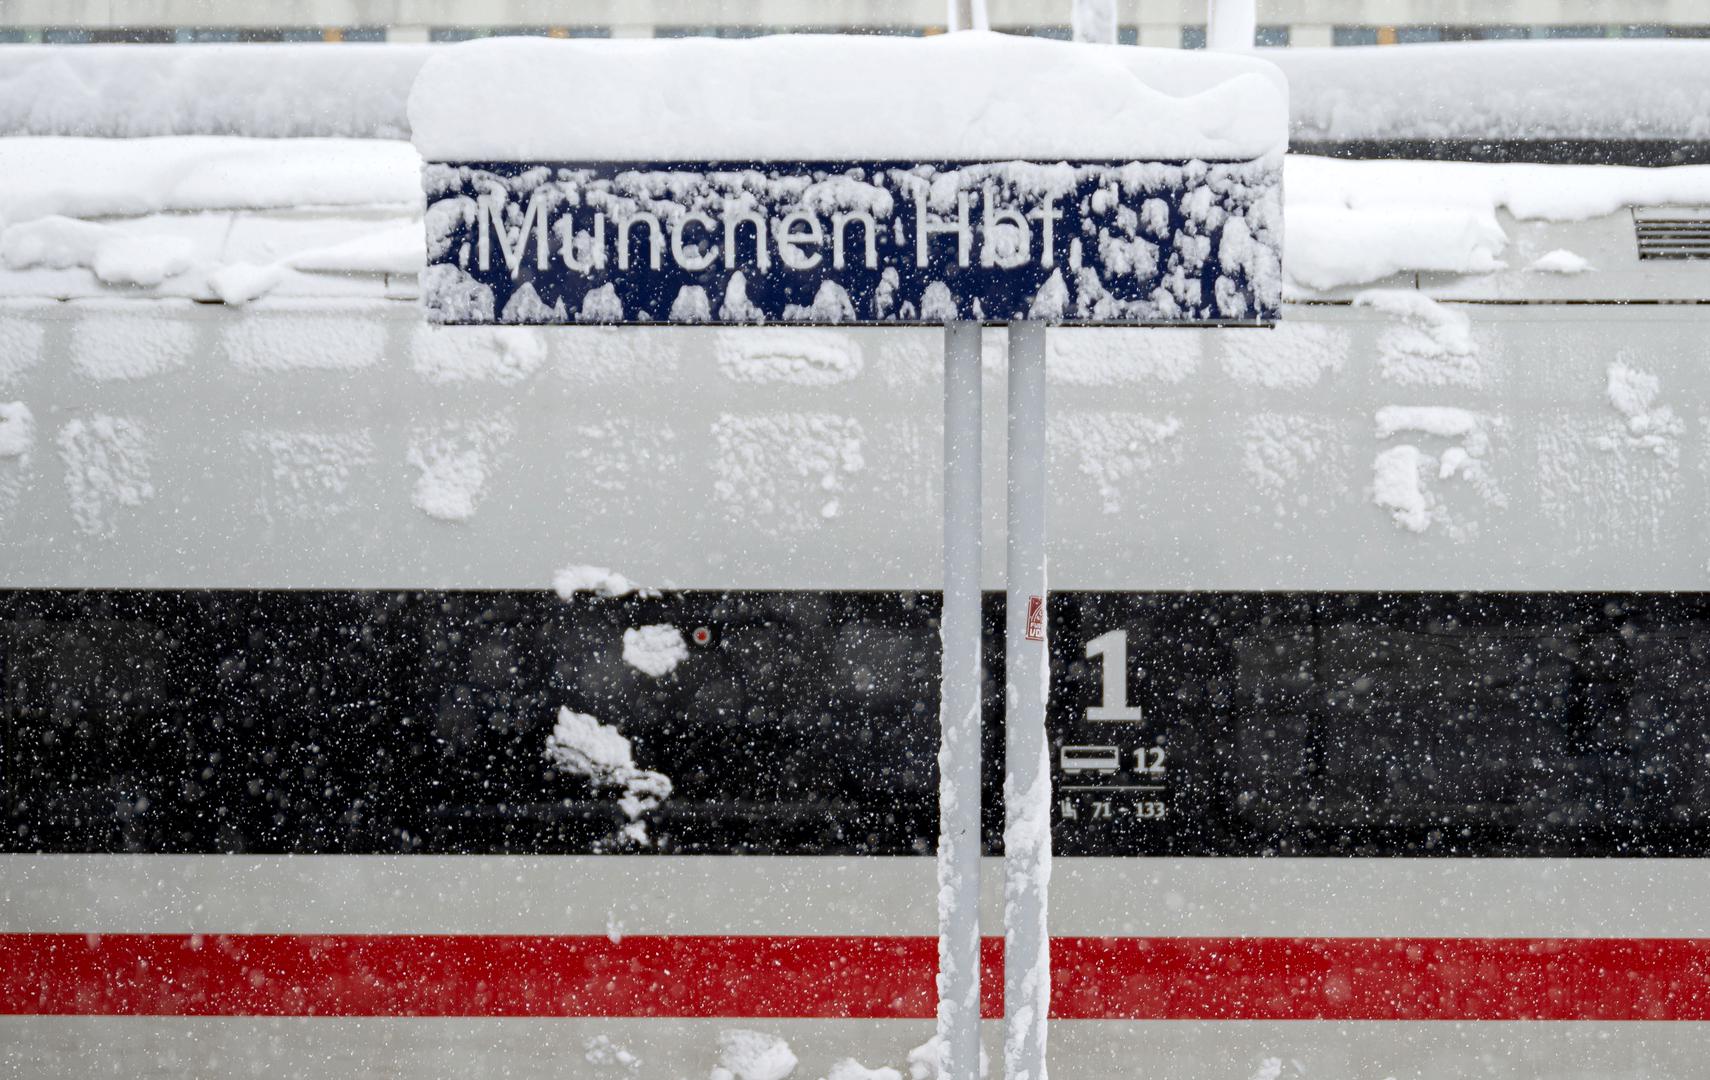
(1499, 90)
(959, 97)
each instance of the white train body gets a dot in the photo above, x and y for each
(1412, 596)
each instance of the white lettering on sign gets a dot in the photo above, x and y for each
(1006, 241)
(732, 223)
(791, 241)
(927, 229)
(840, 223)
(491, 208)
(1048, 215)
(691, 258)
(655, 238)
(1007, 238)
(1112, 648)
(582, 252)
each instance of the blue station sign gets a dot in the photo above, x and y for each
(836, 243)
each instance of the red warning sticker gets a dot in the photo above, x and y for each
(1035, 618)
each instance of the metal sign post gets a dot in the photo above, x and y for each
(1027, 783)
(1027, 779)
(959, 711)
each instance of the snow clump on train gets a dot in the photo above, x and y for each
(1399, 473)
(752, 1055)
(601, 1050)
(115, 257)
(454, 464)
(850, 1069)
(501, 354)
(1430, 345)
(106, 467)
(17, 429)
(1650, 426)
(598, 580)
(925, 1062)
(582, 746)
(654, 650)
(1560, 261)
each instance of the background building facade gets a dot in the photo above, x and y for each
(1169, 23)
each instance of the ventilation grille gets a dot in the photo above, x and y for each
(1673, 234)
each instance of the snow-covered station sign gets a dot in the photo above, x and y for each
(846, 180)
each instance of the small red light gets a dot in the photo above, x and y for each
(702, 635)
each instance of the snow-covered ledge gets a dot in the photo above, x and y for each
(848, 179)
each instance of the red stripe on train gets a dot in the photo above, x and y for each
(841, 977)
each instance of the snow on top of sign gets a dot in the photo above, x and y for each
(1500, 90)
(956, 97)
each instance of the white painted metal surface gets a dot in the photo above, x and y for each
(1027, 680)
(709, 457)
(959, 712)
(884, 896)
(644, 15)
(513, 894)
(75, 1048)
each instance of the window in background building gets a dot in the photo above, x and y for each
(1353, 35)
(1415, 35)
(1193, 37)
(131, 35)
(122, 35)
(1055, 33)
(1644, 30)
(1689, 31)
(230, 35)
(865, 31)
(720, 31)
(1483, 33)
(1569, 31)
(336, 34)
(469, 33)
(1128, 35)
(10, 36)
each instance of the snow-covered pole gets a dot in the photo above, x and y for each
(1230, 25)
(961, 680)
(959, 847)
(1027, 774)
(1094, 21)
(968, 15)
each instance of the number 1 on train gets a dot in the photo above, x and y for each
(1112, 646)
